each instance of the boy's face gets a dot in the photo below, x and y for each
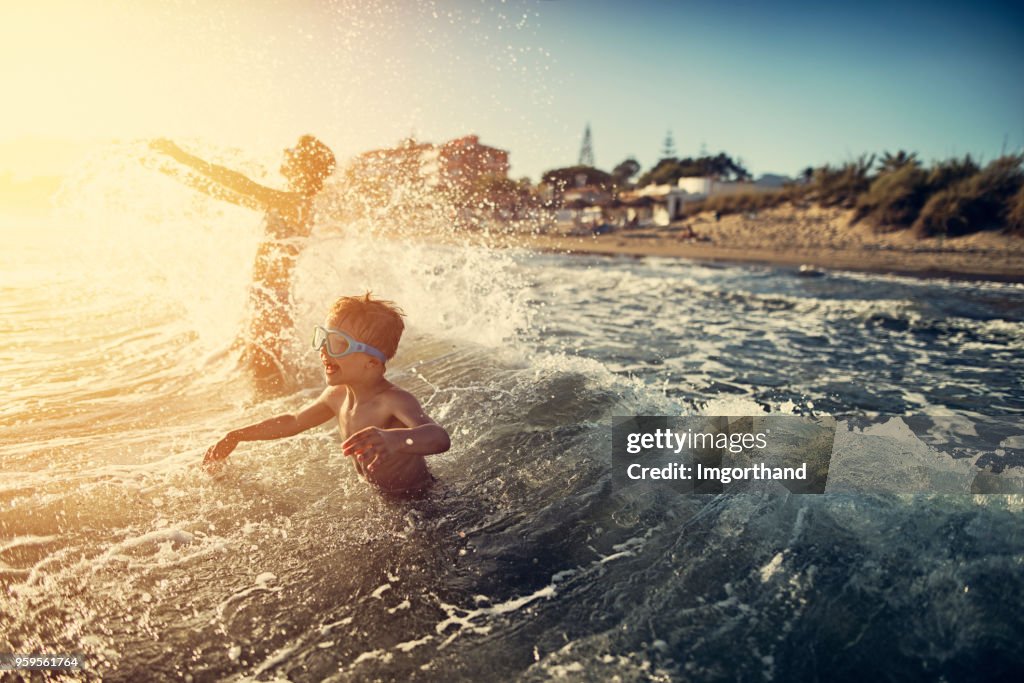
(351, 369)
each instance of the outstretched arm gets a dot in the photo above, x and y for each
(221, 182)
(313, 415)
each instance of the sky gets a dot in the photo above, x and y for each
(780, 85)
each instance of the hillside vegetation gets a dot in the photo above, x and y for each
(950, 198)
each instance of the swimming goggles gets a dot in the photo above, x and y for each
(340, 344)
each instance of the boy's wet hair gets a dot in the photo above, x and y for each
(317, 160)
(376, 322)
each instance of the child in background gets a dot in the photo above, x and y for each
(289, 216)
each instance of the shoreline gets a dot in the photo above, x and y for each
(825, 239)
(892, 263)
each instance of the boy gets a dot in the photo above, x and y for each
(289, 215)
(384, 427)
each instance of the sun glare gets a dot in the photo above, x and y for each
(253, 75)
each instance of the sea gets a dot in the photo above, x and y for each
(525, 562)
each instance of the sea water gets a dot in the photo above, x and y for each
(524, 562)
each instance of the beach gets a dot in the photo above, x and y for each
(825, 238)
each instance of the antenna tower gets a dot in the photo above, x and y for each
(587, 149)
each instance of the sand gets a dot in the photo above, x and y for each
(824, 238)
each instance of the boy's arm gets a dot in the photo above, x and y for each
(221, 182)
(421, 436)
(313, 415)
(211, 188)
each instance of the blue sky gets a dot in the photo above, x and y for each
(780, 85)
(784, 85)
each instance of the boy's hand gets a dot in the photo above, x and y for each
(220, 450)
(372, 444)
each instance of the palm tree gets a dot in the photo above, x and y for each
(894, 162)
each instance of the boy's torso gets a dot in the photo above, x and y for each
(275, 257)
(395, 473)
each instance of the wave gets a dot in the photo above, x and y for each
(525, 559)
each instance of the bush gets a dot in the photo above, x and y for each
(841, 186)
(946, 213)
(740, 202)
(796, 193)
(944, 174)
(895, 198)
(1002, 178)
(979, 202)
(1015, 213)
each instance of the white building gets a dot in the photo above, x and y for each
(695, 186)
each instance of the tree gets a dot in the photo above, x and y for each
(894, 162)
(670, 170)
(668, 147)
(666, 171)
(562, 179)
(622, 173)
(723, 166)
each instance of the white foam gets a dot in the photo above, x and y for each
(22, 541)
(410, 645)
(405, 604)
(770, 569)
(327, 628)
(381, 655)
(738, 406)
(466, 619)
(155, 538)
(260, 585)
(279, 655)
